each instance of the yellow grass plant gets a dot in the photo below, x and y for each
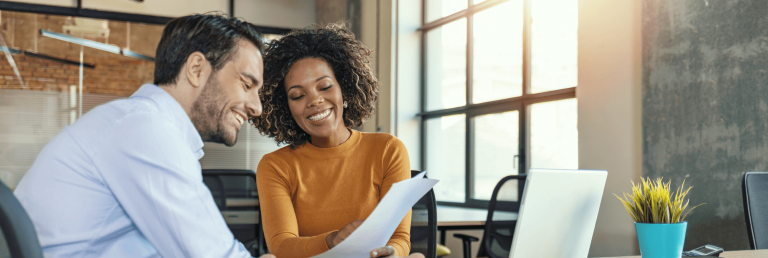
(652, 202)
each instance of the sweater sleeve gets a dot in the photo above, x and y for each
(280, 225)
(397, 167)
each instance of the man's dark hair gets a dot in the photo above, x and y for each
(215, 35)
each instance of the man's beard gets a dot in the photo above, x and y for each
(207, 115)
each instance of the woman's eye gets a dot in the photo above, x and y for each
(326, 88)
(297, 98)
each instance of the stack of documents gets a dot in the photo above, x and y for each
(379, 226)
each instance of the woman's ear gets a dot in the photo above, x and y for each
(196, 69)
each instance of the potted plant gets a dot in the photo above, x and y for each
(658, 215)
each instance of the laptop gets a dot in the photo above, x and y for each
(558, 213)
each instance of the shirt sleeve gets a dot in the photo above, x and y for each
(397, 168)
(281, 228)
(156, 177)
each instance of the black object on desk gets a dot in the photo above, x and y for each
(235, 194)
(498, 233)
(705, 250)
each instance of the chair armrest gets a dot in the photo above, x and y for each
(466, 237)
(465, 240)
(518, 176)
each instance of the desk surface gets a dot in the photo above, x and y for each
(730, 254)
(458, 216)
(242, 202)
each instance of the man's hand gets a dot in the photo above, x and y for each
(335, 238)
(389, 252)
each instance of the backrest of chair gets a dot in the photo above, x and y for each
(236, 196)
(230, 184)
(501, 220)
(424, 224)
(17, 228)
(216, 186)
(755, 194)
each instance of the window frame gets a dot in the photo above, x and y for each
(471, 110)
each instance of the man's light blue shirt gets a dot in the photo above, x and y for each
(125, 181)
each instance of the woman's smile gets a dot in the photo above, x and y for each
(320, 116)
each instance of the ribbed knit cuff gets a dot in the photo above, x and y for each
(399, 249)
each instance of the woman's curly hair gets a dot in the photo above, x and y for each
(347, 57)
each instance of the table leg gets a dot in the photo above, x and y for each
(442, 236)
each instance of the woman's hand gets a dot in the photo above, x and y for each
(389, 251)
(335, 238)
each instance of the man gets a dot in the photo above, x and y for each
(125, 180)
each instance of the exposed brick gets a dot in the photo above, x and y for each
(114, 74)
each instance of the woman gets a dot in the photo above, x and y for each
(316, 191)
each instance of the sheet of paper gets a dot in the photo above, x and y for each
(379, 226)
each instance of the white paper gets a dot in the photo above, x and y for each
(379, 226)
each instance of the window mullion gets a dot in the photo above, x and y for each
(470, 55)
(469, 138)
(525, 125)
(468, 150)
(526, 47)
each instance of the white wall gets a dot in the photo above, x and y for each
(272, 13)
(609, 97)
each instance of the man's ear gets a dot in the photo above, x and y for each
(196, 69)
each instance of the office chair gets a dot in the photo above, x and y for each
(424, 224)
(17, 228)
(754, 193)
(499, 229)
(234, 192)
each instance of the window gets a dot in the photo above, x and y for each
(499, 91)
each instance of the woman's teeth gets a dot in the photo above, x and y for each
(320, 116)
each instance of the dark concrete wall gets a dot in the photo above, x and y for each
(344, 11)
(705, 106)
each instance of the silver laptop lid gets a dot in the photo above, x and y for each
(558, 213)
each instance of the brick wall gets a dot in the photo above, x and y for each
(113, 74)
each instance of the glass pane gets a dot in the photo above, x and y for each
(445, 156)
(498, 52)
(554, 45)
(554, 136)
(40, 90)
(496, 145)
(437, 9)
(447, 66)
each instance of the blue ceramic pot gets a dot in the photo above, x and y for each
(661, 240)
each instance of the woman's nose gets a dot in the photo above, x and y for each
(315, 100)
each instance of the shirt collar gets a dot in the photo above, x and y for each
(168, 105)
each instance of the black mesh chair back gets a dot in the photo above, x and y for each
(235, 194)
(502, 217)
(755, 194)
(424, 224)
(18, 231)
